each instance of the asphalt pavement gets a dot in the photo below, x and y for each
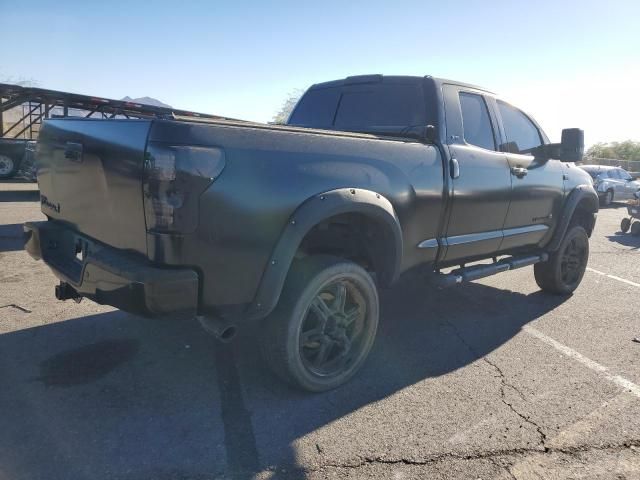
(492, 379)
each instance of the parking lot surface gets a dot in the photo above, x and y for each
(493, 379)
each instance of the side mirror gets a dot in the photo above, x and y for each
(572, 145)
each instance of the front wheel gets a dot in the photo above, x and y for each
(325, 323)
(563, 272)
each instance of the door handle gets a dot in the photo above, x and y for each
(454, 168)
(519, 171)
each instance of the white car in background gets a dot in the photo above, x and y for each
(612, 183)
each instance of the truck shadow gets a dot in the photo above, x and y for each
(11, 237)
(116, 396)
(19, 195)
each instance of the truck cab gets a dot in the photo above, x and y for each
(502, 188)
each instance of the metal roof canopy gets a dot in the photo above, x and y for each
(38, 103)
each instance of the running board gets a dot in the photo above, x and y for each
(475, 272)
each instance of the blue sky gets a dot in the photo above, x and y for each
(567, 63)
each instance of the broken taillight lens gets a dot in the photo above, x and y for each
(174, 178)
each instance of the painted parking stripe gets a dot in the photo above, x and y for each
(587, 362)
(623, 280)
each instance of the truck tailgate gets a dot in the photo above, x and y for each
(90, 177)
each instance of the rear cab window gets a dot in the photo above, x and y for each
(388, 105)
(317, 108)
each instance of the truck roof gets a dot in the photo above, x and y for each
(378, 78)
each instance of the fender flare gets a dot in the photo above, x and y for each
(580, 194)
(309, 214)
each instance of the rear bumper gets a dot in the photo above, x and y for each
(110, 276)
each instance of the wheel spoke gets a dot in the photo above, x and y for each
(311, 336)
(321, 309)
(340, 297)
(350, 316)
(323, 352)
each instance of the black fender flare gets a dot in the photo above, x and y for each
(309, 214)
(582, 194)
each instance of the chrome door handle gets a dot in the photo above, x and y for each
(454, 168)
(519, 171)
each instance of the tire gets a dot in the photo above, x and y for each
(607, 199)
(625, 224)
(635, 229)
(324, 325)
(8, 166)
(563, 272)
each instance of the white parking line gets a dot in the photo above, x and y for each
(587, 362)
(623, 280)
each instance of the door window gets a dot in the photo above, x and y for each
(522, 135)
(476, 123)
(624, 175)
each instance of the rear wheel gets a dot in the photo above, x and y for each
(8, 166)
(625, 224)
(608, 198)
(635, 229)
(564, 270)
(325, 323)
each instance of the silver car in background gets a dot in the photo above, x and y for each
(612, 183)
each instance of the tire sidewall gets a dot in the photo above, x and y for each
(557, 261)
(297, 314)
(625, 224)
(14, 167)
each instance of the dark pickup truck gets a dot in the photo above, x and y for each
(297, 225)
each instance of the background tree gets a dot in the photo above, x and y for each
(281, 117)
(627, 150)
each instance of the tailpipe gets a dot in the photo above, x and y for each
(64, 291)
(220, 328)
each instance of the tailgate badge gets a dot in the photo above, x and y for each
(45, 202)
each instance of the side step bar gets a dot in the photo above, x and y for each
(475, 272)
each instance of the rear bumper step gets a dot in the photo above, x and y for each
(110, 276)
(475, 272)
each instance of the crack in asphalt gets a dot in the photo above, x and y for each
(505, 468)
(492, 455)
(503, 385)
(16, 307)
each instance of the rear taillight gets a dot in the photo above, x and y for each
(174, 178)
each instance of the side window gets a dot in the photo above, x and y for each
(522, 134)
(613, 173)
(624, 175)
(476, 123)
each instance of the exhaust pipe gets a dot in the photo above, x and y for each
(64, 291)
(222, 329)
